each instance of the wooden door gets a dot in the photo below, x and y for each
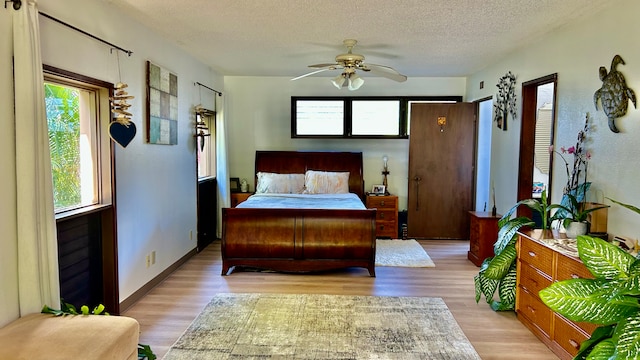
(441, 160)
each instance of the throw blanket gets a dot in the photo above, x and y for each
(304, 201)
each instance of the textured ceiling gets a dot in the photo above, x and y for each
(416, 37)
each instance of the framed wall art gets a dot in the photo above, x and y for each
(162, 105)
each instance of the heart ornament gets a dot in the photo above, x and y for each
(122, 133)
(122, 130)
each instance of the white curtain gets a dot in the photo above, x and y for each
(38, 282)
(222, 165)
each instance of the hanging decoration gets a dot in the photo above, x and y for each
(614, 94)
(202, 131)
(121, 130)
(505, 103)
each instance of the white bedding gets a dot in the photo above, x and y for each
(304, 201)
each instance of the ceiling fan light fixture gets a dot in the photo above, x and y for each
(339, 80)
(355, 82)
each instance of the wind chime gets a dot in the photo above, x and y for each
(122, 130)
(202, 131)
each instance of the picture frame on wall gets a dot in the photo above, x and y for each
(162, 106)
(234, 184)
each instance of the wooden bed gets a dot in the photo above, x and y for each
(301, 240)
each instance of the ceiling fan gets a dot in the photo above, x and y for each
(349, 63)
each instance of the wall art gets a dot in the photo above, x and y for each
(614, 95)
(162, 105)
(505, 103)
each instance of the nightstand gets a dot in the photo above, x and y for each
(386, 214)
(237, 198)
(483, 233)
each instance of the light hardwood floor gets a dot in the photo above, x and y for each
(170, 307)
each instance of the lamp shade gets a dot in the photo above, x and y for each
(338, 81)
(355, 82)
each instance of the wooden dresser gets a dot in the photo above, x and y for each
(386, 214)
(483, 232)
(538, 266)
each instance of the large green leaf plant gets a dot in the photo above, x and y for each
(609, 300)
(496, 279)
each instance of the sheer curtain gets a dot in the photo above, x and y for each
(38, 282)
(222, 166)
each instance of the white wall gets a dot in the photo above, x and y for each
(259, 110)
(576, 52)
(155, 184)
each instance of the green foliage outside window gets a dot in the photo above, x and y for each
(63, 117)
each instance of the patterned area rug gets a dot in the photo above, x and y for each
(319, 327)
(401, 253)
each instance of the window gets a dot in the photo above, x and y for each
(354, 117)
(78, 114)
(375, 117)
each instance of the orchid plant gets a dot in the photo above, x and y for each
(575, 191)
(580, 158)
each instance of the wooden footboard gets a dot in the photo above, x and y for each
(298, 240)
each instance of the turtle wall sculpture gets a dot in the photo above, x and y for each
(614, 94)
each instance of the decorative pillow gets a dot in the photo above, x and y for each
(326, 182)
(280, 183)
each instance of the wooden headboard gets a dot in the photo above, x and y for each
(298, 162)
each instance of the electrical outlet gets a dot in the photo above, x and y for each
(148, 260)
(153, 257)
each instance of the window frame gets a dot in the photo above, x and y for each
(104, 146)
(403, 116)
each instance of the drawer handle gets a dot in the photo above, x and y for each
(532, 254)
(382, 216)
(574, 343)
(382, 203)
(574, 276)
(531, 309)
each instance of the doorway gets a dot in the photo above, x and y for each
(441, 174)
(483, 201)
(536, 136)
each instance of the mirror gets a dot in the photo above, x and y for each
(543, 139)
(535, 172)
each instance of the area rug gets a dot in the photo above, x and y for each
(402, 253)
(304, 327)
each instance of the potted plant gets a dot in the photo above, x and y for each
(498, 273)
(574, 216)
(609, 300)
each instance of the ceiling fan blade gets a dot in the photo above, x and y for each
(385, 71)
(311, 73)
(330, 66)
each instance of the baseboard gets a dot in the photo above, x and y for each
(140, 293)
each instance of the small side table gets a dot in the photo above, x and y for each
(386, 215)
(482, 236)
(237, 198)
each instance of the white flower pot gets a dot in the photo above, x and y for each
(576, 228)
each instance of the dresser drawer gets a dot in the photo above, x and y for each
(537, 255)
(568, 335)
(534, 310)
(386, 229)
(388, 215)
(532, 280)
(381, 202)
(572, 269)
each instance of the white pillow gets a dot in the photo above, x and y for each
(274, 183)
(326, 182)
